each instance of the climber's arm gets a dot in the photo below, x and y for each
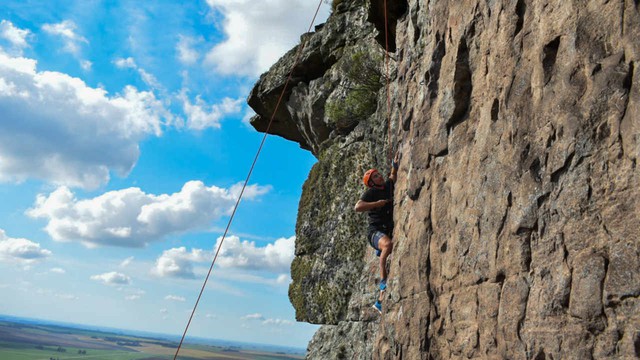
(394, 168)
(362, 205)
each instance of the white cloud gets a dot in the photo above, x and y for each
(15, 36)
(278, 322)
(133, 294)
(283, 279)
(58, 270)
(112, 278)
(86, 65)
(56, 128)
(178, 263)
(276, 257)
(258, 277)
(265, 321)
(126, 261)
(150, 80)
(164, 311)
(130, 63)
(211, 316)
(127, 63)
(246, 119)
(259, 32)
(21, 250)
(175, 298)
(67, 31)
(67, 297)
(201, 116)
(186, 53)
(256, 316)
(132, 218)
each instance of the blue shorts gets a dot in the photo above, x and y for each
(375, 237)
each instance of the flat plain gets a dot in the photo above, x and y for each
(30, 341)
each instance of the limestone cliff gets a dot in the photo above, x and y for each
(517, 206)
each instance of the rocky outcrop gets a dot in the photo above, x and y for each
(517, 206)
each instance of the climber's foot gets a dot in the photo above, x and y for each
(383, 284)
(378, 306)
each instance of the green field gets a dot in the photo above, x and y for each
(19, 341)
(26, 352)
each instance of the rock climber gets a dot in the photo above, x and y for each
(377, 200)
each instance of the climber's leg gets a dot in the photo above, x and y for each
(385, 244)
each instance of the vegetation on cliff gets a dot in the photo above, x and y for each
(362, 80)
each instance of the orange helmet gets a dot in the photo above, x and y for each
(367, 176)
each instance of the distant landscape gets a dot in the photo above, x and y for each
(33, 340)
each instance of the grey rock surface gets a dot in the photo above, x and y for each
(517, 206)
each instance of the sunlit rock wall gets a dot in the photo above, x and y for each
(518, 196)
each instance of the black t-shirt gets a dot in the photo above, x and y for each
(380, 219)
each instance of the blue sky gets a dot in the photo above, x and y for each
(124, 137)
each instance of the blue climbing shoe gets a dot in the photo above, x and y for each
(378, 306)
(378, 252)
(383, 284)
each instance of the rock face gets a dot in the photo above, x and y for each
(517, 205)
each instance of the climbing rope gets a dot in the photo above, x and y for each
(386, 63)
(273, 115)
